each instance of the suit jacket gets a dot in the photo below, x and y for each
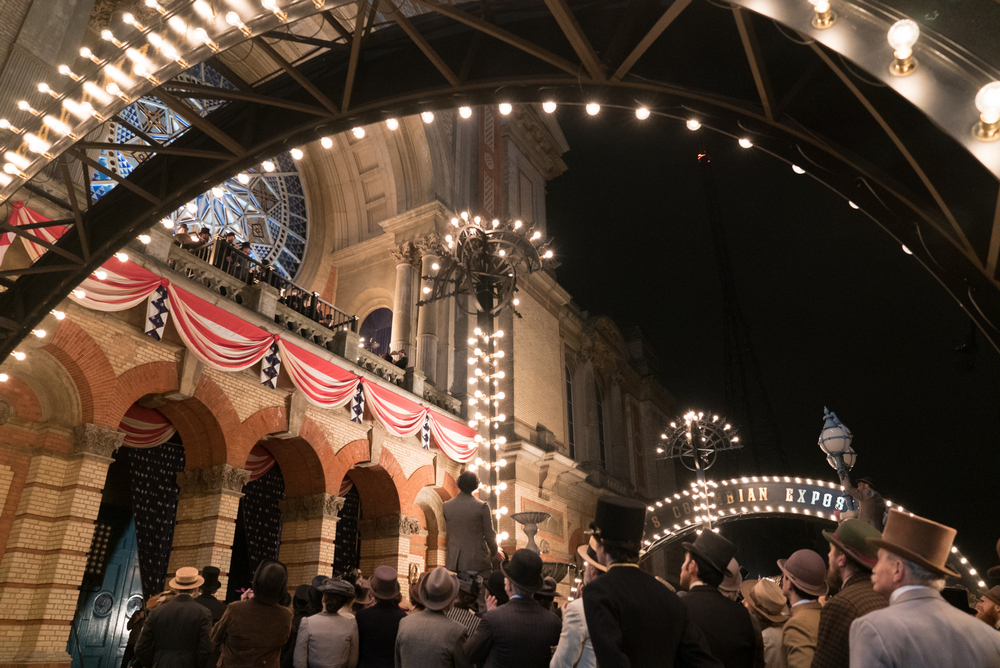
(428, 639)
(799, 634)
(377, 629)
(326, 640)
(921, 630)
(176, 635)
(214, 605)
(519, 633)
(471, 539)
(575, 649)
(635, 621)
(251, 633)
(857, 598)
(726, 624)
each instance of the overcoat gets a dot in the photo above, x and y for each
(176, 635)
(575, 649)
(726, 624)
(428, 639)
(519, 633)
(855, 599)
(799, 634)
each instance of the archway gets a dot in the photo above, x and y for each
(376, 330)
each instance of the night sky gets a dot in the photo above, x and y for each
(838, 314)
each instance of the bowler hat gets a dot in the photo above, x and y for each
(992, 594)
(385, 583)
(713, 548)
(618, 518)
(438, 589)
(186, 578)
(525, 570)
(806, 570)
(336, 586)
(851, 538)
(922, 541)
(588, 553)
(765, 598)
(211, 575)
(549, 587)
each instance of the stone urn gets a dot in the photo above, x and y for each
(530, 521)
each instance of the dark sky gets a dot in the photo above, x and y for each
(838, 314)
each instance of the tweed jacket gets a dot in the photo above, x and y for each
(575, 649)
(799, 634)
(428, 639)
(635, 621)
(519, 633)
(176, 635)
(471, 539)
(726, 624)
(871, 505)
(855, 599)
(326, 640)
(921, 630)
(377, 629)
(251, 633)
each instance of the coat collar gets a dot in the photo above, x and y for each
(861, 577)
(811, 605)
(915, 594)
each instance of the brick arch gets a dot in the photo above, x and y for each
(24, 400)
(205, 421)
(381, 485)
(422, 477)
(307, 462)
(266, 421)
(575, 541)
(89, 368)
(151, 378)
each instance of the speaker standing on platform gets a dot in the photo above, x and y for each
(472, 541)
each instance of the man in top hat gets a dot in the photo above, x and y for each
(521, 633)
(208, 589)
(919, 629)
(176, 634)
(803, 583)
(379, 624)
(472, 540)
(988, 607)
(726, 624)
(575, 650)
(633, 620)
(871, 505)
(427, 638)
(850, 560)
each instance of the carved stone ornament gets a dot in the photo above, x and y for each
(388, 526)
(430, 244)
(6, 411)
(311, 507)
(96, 440)
(217, 478)
(405, 253)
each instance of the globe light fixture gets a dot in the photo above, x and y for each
(824, 17)
(549, 107)
(427, 117)
(358, 132)
(988, 104)
(835, 442)
(593, 108)
(392, 124)
(465, 112)
(902, 36)
(642, 113)
(693, 124)
(505, 108)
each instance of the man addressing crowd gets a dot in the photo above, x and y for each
(472, 540)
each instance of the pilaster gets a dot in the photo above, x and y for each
(385, 541)
(309, 527)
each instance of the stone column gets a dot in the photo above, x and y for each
(46, 554)
(427, 318)
(385, 541)
(401, 337)
(207, 506)
(308, 530)
(446, 344)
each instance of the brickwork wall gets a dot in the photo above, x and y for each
(538, 363)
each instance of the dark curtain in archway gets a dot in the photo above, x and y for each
(263, 515)
(377, 329)
(347, 553)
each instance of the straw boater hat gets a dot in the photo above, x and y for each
(925, 543)
(806, 570)
(186, 578)
(588, 553)
(765, 598)
(851, 538)
(438, 589)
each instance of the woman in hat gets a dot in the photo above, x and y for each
(766, 603)
(252, 632)
(328, 639)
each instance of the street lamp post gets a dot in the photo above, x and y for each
(835, 441)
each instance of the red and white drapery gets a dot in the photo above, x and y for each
(145, 427)
(259, 461)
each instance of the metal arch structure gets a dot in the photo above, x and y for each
(900, 149)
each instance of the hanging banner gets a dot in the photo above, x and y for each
(324, 383)
(400, 416)
(145, 427)
(259, 461)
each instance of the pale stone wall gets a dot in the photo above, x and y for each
(539, 394)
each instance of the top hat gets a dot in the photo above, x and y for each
(734, 578)
(806, 570)
(205, 230)
(851, 538)
(764, 597)
(438, 589)
(993, 594)
(922, 541)
(525, 570)
(713, 548)
(211, 575)
(589, 554)
(336, 586)
(186, 578)
(869, 481)
(385, 583)
(958, 597)
(618, 518)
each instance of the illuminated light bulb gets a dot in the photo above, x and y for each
(67, 72)
(45, 88)
(853, 205)
(177, 23)
(19, 356)
(448, 238)
(167, 223)
(745, 143)
(326, 142)
(267, 165)
(499, 355)
(693, 124)
(988, 104)
(902, 36)
(472, 360)
(426, 290)
(95, 92)
(243, 178)
(24, 106)
(464, 215)
(392, 124)
(12, 169)
(170, 52)
(465, 112)
(204, 10)
(40, 333)
(517, 302)
(517, 224)
(4, 378)
(89, 55)
(499, 334)
(536, 236)
(193, 237)
(153, 4)
(36, 144)
(201, 35)
(109, 36)
(798, 170)
(79, 294)
(129, 19)
(192, 207)
(116, 91)
(142, 71)
(218, 192)
(144, 238)
(427, 117)
(907, 250)
(101, 274)
(5, 125)
(58, 126)
(272, 6)
(435, 266)
(549, 107)
(505, 108)
(502, 486)
(501, 252)
(642, 113)
(297, 153)
(233, 19)
(823, 18)
(548, 255)
(593, 108)
(122, 256)
(501, 463)
(358, 132)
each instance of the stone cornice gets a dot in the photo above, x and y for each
(224, 477)
(96, 440)
(426, 218)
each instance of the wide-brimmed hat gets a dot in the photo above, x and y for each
(336, 586)
(186, 578)
(438, 589)
(922, 541)
(549, 587)
(588, 553)
(524, 569)
(993, 594)
(867, 480)
(618, 518)
(806, 570)
(713, 548)
(765, 598)
(385, 583)
(211, 575)
(851, 538)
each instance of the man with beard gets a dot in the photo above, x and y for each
(851, 560)
(988, 607)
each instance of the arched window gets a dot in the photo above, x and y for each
(571, 431)
(600, 427)
(376, 330)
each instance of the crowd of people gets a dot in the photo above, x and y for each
(874, 602)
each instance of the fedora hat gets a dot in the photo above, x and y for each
(868, 481)
(186, 578)
(765, 598)
(588, 553)
(385, 583)
(438, 589)
(363, 589)
(734, 578)
(992, 594)
(618, 518)
(713, 548)
(851, 538)
(211, 575)
(806, 570)
(524, 569)
(922, 541)
(549, 587)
